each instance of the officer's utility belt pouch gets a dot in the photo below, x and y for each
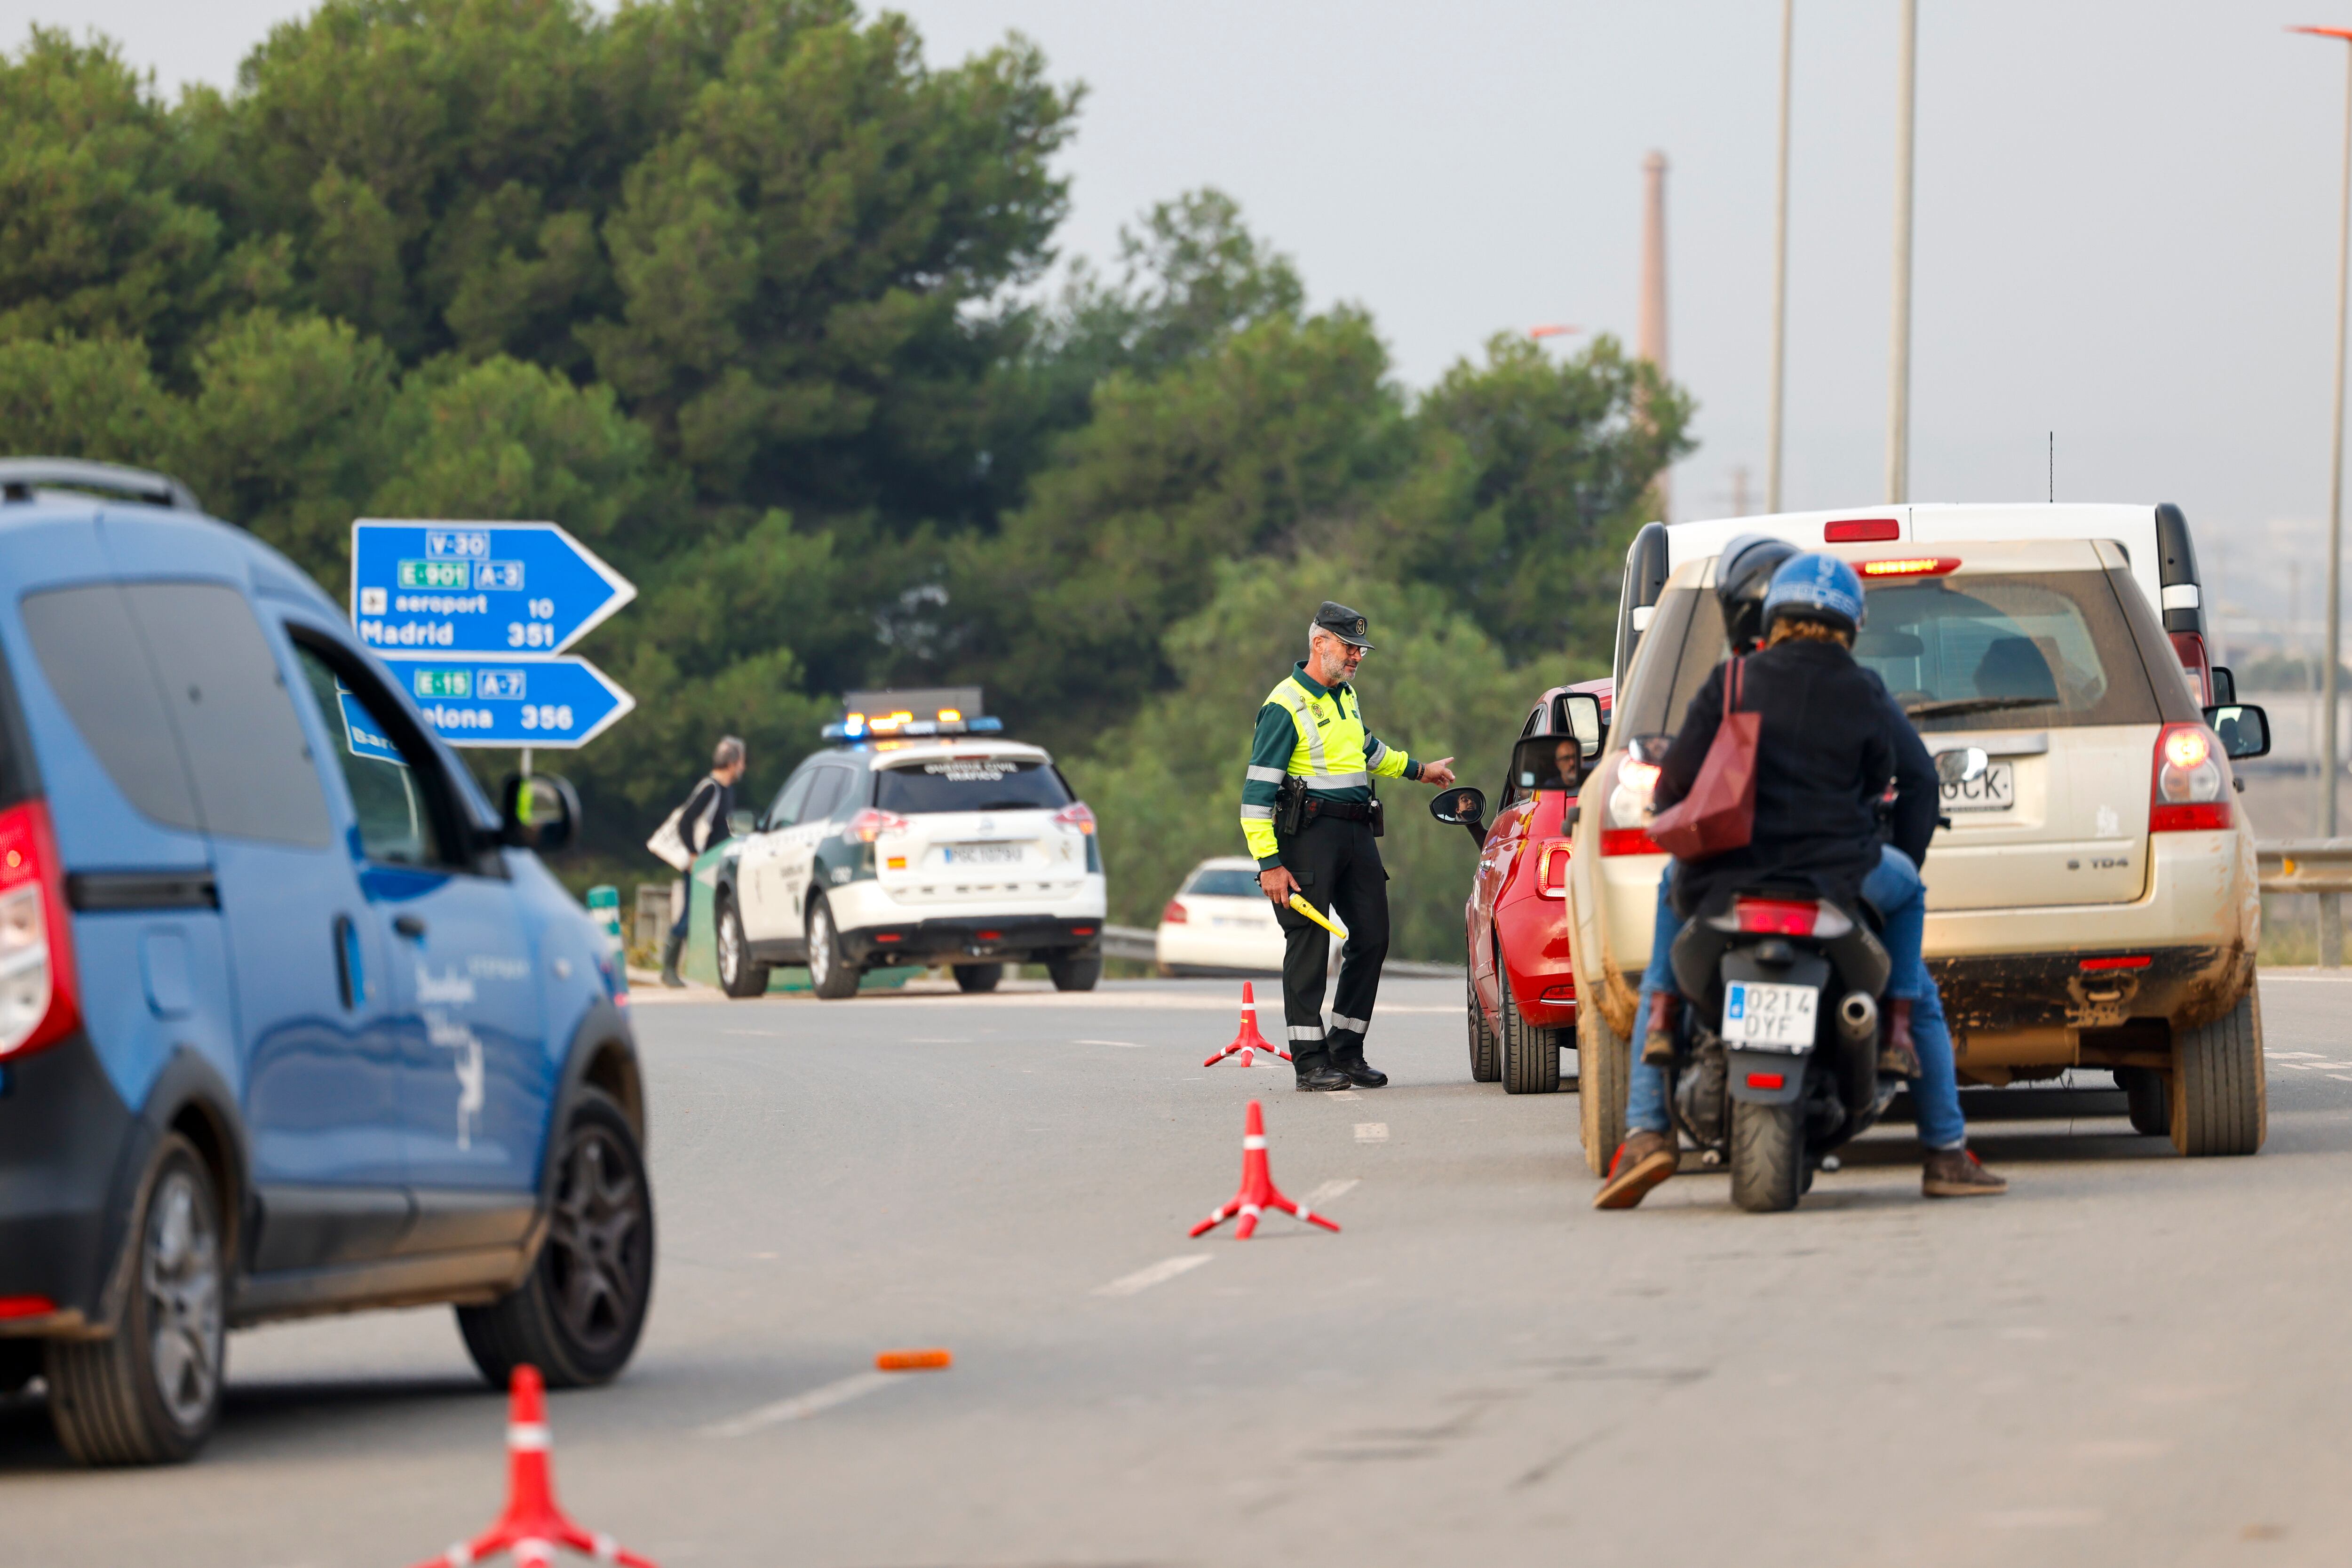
(1379, 819)
(1290, 806)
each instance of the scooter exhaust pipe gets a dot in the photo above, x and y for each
(1857, 1016)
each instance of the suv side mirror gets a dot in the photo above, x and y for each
(541, 813)
(2225, 687)
(1465, 807)
(2245, 730)
(1548, 761)
(1582, 710)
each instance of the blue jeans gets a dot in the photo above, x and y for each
(1902, 899)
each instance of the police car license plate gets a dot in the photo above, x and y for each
(1994, 790)
(983, 854)
(1759, 1015)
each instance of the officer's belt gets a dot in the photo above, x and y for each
(1345, 810)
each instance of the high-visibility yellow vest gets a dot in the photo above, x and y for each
(1331, 750)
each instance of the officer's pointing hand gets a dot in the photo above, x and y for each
(1439, 772)
(1277, 883)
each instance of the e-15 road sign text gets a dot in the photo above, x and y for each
(552, 702)
(477, 587)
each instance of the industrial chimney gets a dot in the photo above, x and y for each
(1651, 344)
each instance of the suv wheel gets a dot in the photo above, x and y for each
(978, 976)
(578, 1315)
(2147, 1099)
(1530, 1054)
(738, 976)
(1604, 1066)
(2219, 1103)
(1484, 1067)
(151, 1393)
(1076, 973)
(830, 976)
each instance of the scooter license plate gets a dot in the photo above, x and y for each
(1760, 1015)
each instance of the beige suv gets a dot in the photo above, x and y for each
(2092, 902)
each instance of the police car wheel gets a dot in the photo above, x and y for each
(738, 976)
(831, 974)
(578, 1315)
(1075, 974)
(978, 976)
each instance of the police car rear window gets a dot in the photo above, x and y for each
(969, 783)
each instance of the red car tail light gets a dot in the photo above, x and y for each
(871, 824)
(1776, 917)
(2190, 790)
(1076, 815)
(1861, 530)
(1175, 915)
(27, 1306)
(38, 1005)
(1563, 993)
(1547, 885)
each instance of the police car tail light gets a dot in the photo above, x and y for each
(1076, 815)
(2190, 792)
(870, 824)
(37, 1004)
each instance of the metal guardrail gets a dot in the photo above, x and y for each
(1141, 944)
(2305, 865)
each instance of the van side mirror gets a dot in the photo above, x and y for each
(2244, 730)
(538, 813)
(1548, 762)
(1465, 807)
(2225, 687)
(1582, 710)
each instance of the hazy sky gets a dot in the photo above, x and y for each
(2126, 211)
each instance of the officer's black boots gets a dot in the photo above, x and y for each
(1347, 1057)
(1317, 1074)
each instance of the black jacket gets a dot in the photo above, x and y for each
(702, 822)
(1831, 741)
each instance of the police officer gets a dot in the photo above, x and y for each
(1310, 818)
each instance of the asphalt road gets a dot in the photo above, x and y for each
(2132, 1359)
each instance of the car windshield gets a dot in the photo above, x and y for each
(1225, 882)
(1993, 652)
(969, 783)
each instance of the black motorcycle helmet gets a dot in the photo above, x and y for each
(1742, 574)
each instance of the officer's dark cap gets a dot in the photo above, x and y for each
(1343, 623)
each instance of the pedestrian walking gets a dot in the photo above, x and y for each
(694, 827)
(1312, 820)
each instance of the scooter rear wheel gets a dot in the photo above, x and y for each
(1768, 1156)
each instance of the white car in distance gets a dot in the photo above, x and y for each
(1219, 922)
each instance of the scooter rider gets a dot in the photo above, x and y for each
(1831, 738)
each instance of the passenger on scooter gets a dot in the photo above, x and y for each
(1824, 755)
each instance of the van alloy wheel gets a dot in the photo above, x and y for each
(180, 1271)
(595, 1239)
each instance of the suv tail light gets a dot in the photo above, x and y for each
(1076, 815)
(1175, 915)
(871, 824)
(1625, 827)
(2191, 791)
(37, 1002)
(2190, 647)
(1550, 883)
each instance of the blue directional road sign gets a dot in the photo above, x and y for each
(526, 588)
(557, 703)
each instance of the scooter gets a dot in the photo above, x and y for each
(1777, 1064)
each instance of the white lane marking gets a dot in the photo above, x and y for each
(2271, 975)
(1167, 1268)
(1129, 1045)
(2293, 1056)
(2041, 1517)
(1348, 1094)
(2341, 1078)
(1330, 1190)
(935, 1039)
(801, 1406)
(1371, 1131)
(756, 1034)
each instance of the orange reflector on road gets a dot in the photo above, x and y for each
(913, 1360)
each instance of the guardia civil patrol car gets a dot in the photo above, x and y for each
(922, 838)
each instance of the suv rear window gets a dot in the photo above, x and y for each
(969, 783)
(1975, 653)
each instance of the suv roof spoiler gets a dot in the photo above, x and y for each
(20, 476)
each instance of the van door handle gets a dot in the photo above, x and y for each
(409, 926)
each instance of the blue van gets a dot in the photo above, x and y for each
(292, 1020)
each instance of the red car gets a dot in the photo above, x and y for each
(1522, 1002)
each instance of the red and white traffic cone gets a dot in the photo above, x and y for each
(533, 1527)
(1258, 1192)
(1249, 1040)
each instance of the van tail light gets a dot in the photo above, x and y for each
(1175, 915)
(2190, 647)
(1861, 530)
(1551, 868)
(1076, 815)
(2191, 791)
(1625, 823)
(870, 824)
(38, 1005)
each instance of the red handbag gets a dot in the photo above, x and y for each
(1720, 813)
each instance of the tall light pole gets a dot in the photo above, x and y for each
(2331, 909)
(1898, 388)
(1780, 268)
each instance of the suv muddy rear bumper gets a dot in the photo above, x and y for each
(64, 1131)
(973, 939)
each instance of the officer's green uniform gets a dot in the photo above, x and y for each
(1317, 734)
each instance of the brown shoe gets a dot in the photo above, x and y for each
(1645, 1160)
(1658, 1045)
(1957, 1173)
(1897, 1053)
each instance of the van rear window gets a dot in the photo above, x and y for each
(974, 783)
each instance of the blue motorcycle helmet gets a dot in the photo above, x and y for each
(1815, 587)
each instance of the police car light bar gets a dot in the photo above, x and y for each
(867, 727)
